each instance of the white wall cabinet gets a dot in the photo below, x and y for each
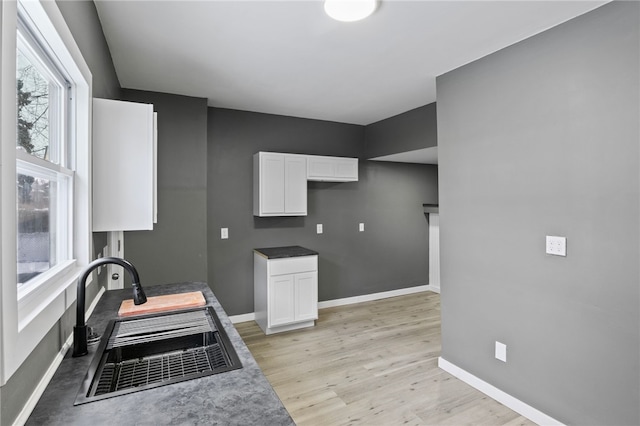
(280, 180)
(124, 171)
(279, 184)
(332, 169)
(285, 292)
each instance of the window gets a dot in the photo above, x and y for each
(45, 219)
(44, 170)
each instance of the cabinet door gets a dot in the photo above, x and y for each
(295, 184)
(281, 300)
(272, 178)
(332, 169)
(320, 167)
(306, 296)
(347, 169)
(123, 166)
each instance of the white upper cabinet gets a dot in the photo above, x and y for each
(280, 180)
(332, 169)
(124, 170)
(279, 184)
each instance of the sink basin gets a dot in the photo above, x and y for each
(157, 350)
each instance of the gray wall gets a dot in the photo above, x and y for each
(82, 19)
(206, 182)
(392, 253)
(83, 22)
(176, 249)
(548, 146)
(411, 130)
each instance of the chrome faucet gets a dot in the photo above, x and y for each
(80, 329)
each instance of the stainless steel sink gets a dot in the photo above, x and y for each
(157, 350)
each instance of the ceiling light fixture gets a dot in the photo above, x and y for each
(349, 10)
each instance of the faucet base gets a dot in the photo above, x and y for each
(80, 341)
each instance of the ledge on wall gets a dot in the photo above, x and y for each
(419, 156)
(431, 208)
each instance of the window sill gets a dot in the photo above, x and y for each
(37, 296)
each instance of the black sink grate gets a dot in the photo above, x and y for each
(157, 350)
(161, 368)
(144, 330)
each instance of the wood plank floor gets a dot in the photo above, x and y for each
(372, 363)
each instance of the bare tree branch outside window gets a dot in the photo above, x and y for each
(33, 193)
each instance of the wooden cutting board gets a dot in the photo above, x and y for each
(167, 302)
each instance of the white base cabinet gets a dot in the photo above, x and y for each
(285, 292)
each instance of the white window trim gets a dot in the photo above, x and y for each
(28, 316)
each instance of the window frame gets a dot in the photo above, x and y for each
(39, 57)
(27, 316)
(60, 165)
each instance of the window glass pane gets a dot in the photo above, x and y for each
(36, 226)
(33, 108)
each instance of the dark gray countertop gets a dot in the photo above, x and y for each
(239, 397)
(284, 252)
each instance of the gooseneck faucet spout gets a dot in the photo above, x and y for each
(80, 329)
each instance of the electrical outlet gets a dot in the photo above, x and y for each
(501, 351)
(361, 227)
(224, 233)
(319, 228)
(556, 246)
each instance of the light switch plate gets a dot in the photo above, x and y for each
(224, 233)
(361, 227)
(556, 246)
(319, 228)
(501, 351)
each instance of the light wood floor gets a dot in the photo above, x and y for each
(372, 363)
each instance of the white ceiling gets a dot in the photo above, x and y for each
(289, 58)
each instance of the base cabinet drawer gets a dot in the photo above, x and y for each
(293, 265)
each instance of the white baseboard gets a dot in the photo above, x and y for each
(434, 288)
(235, 319)
(42, 385)
(502, 397)
(48, 375)
(372, 296)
